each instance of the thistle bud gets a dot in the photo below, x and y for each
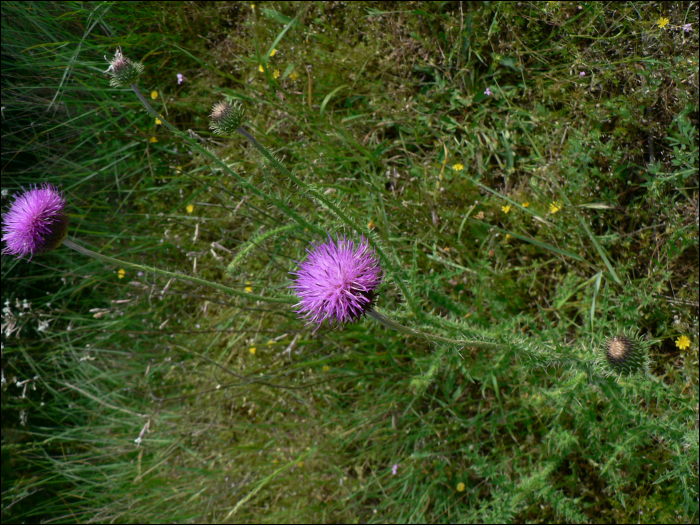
(226, 117)
(124, 71)
(626, 354)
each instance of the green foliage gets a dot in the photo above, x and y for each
(572, 219)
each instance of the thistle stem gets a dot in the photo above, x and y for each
(181, 276)
(390, 323)
(204, 151)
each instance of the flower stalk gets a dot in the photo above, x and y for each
(181, 276)
(390, 323)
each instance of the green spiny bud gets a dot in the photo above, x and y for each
(626, 354)
(226, 117)
(123, 70)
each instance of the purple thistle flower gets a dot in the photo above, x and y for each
(36, 222)
(337, 281)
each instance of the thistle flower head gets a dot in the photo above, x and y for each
(36, 222)
(226, 117)
(337, 281)
(625, 353)
(124, 71)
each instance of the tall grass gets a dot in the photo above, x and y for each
(572, 218)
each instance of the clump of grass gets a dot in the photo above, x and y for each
(573, 218)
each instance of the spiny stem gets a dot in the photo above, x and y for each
(182, 277)
(390, 323)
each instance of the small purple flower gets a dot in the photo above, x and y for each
(180, 78)
(582, 73)
(394, 469)
(688, 28)
(36, 222)
(337, 281)
(487, 92)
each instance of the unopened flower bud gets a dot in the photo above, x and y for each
(226, 117)
(625, 354)
(124, 71)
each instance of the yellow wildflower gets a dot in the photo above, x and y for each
(526, 204)
(248, 288)
(554, 207)
(326, 368)
(505, 209)
(301, 464)
(153, 140)
(252, 6)
(683, 342)
(270, 342)
(276, 73)
(662, 22)
(294, 75)
(461, 487)
(272, 53)
(458, 167)
(189, 208)
(261, 68)
(158, 122)
(121, 273)
(154, 94)
(253, 350)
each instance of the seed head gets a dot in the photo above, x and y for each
(625, 354)
(36, 222)
(337, 281)
(124, 71)
(226, 117)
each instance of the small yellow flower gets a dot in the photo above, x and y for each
(276, 73)
(261, 68)
(270, 342)
(326, 368)
(153, 140)
(253, 350)
(122, 274)
(507, 237)
(505, 209)
(458, 167)
(301, 464)
(154, 94)
(683, 342)
(461, 487)
(178, 170)
(189, 208)
(248, 288)
(158, 122)
(273, 52)
(252, 6)
(294, 75)
(526, 204)
(662, 22)
(554, 207)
